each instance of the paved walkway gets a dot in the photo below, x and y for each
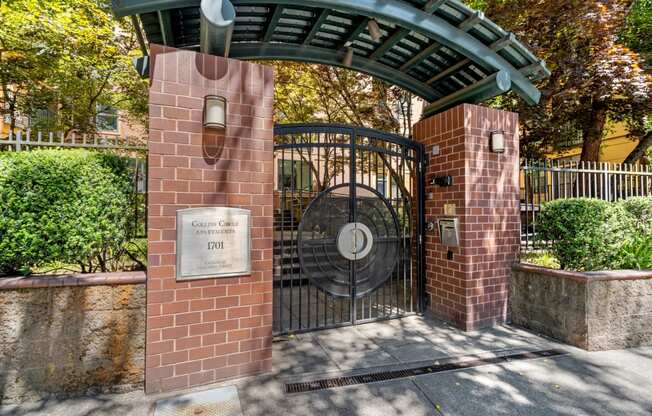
(578, 383)
(399, 341)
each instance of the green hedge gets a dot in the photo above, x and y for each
(69, 206)
(590, 234)
(584, 234)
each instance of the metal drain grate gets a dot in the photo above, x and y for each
(411, 372)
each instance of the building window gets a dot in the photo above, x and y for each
(381, 185)
(107, 118)
(294, 175)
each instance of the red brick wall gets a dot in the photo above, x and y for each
(471, 289)
(207, 330)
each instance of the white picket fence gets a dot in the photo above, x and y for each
(21, 141)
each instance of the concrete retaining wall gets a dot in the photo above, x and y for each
(69, 335)
(596, 311)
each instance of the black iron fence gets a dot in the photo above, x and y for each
(545, 180)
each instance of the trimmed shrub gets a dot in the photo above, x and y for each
(69, 206)
(640, 208)
(584, 234)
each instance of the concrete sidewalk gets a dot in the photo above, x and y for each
(410, 340)
(580, 383)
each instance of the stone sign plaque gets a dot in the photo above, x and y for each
(213, 242)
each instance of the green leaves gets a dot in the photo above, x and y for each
(635, 253)
(590, 234)
(65, 57)
(319, 93)
(583, 233)
(638, 29)
(640, 208)
(594, 74)
(61, 205)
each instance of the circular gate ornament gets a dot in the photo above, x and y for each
(355, 241)
(341, 256)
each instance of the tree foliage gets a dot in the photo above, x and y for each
(596, 76)
(637, 33)
(63, 58)
(320, 93)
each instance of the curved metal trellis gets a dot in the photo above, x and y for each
(440, 50)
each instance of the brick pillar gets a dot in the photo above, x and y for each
(208, 330)
(471, 289)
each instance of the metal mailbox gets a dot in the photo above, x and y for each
(449, 232)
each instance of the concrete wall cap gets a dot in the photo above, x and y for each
(90, 279)
(586, 276)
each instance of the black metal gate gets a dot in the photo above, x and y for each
(348, 219)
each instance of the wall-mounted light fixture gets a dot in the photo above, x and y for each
(497, 141)
(442, 180)
(374, 30)
(214, 112)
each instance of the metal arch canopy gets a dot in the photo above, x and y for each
(284, 52)
(441, 50)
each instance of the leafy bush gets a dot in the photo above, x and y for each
(635, 253)
(584, 234)
(69, 206)
(640, 208)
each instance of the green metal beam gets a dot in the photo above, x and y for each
(501, 44)
(433, 5)
(538, 70)
(448, 71)
(123, 8)
(165, 23)
(273, 21)
(316, 26)
(141, 64)
(432, 49)
(471, 21)
(414, 19)
(399, 34)
(389, 43)
(399, 13)
(305, 53)
(135, 21)
(421, 56)
(360, 26)
(496, 84)
(429, 8)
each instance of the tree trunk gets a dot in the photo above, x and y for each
(640, 149)
(592, 135)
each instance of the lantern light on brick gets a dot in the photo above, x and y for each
(497, 141)
(214, 112)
